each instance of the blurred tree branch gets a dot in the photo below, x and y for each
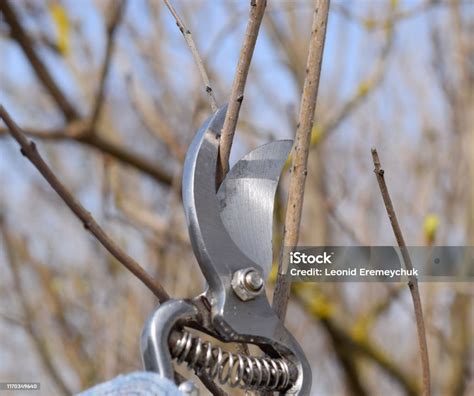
(367, 320)
(78, 131)
(293, 56)
(71, 338)
(364, 89)
(373, 24)
(36, 336)
(27, 45)
(321, 310)
(355, 384)
(462, 322)
(142, 216)
(153, 118)
(117, 10)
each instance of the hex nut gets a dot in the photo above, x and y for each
(247, 283)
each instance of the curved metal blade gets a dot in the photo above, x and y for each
(246, 198)
(218, 255)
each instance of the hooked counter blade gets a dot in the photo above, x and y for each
(246, 198)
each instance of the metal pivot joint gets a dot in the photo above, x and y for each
(247, 283)
(231, 235)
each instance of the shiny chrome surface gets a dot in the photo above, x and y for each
(230, 230)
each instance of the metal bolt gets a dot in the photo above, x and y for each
(253, 280)
(247, 283)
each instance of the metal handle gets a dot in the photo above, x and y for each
(155, 334)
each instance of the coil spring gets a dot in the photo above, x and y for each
(229, 368)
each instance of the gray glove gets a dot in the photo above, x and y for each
(137, 384)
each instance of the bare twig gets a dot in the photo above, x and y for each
(197, 57)
(26, 43)
(112, 25)
(412, 281)
(28, 149)
(257, 9)
(300, 156)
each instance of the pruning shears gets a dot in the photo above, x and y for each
(230, 228)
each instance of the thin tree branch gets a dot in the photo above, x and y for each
(26, 43)
(77, 132)
(300, 156)
(412, 280)
(128, 157)
(29, 150)
(112, 25)
(197, 57)
(257, 9)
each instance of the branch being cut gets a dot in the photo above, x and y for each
(412, 280)
(29, 150)
(197, 57)
(257, 9)
(300, 154)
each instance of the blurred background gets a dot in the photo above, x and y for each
(115, 118)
